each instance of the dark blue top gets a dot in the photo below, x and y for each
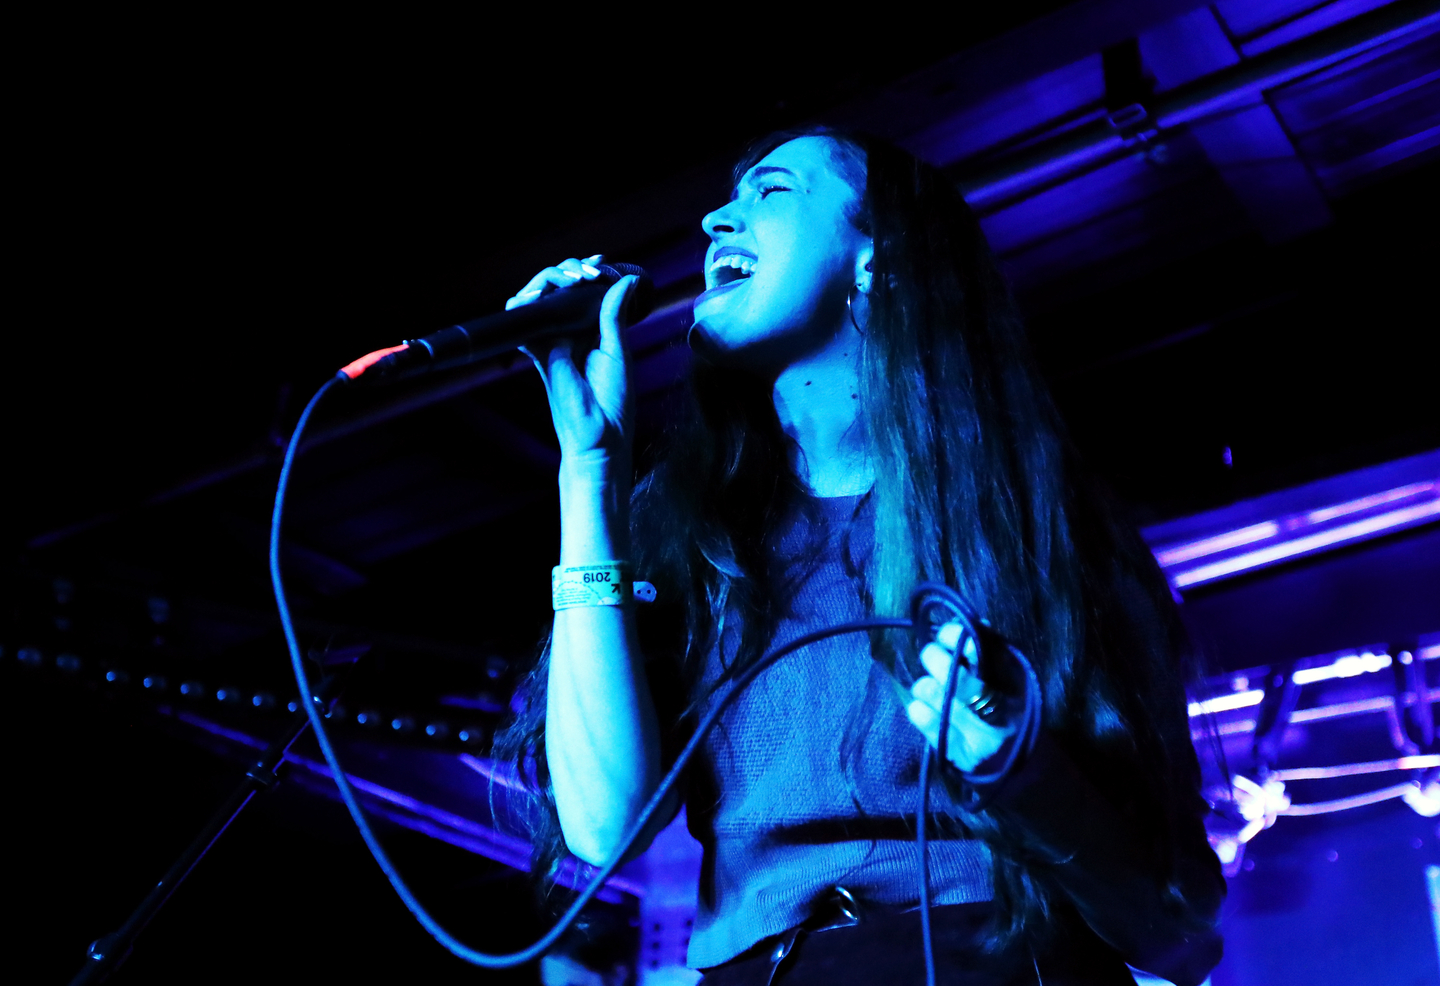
(811, 779)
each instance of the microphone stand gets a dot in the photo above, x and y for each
(107, 952)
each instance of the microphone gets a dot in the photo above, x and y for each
(573, 310)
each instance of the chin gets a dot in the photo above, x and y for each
(726, 351)
(756, 344)
(712, 347)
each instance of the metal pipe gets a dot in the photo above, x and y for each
(1101, 142)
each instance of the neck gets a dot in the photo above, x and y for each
(817, 401)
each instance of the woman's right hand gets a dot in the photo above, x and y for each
(602, 735)
(590, 407)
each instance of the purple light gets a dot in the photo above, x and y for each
(1233, 692)
(1217, 556)
(1357, 531)
(1225, 703)
(1360, 706)
(1345, 667)
(1367, 502)
(1354, 801)
(1214, 545)
(1234, 728)
(1419, 762)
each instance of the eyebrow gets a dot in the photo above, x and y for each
(757, 173)
(769, 170)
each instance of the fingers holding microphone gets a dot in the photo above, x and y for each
(562, 275)
(589, 403)
(606, 366)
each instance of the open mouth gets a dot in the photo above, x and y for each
(729, 269)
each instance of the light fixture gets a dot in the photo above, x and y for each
(1347, 666)
(1225, 703)
(1259, 545)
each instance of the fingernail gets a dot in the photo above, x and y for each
(572, 274)
(594, 258)
(593, 272)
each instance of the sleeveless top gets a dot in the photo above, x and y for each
(811, 778)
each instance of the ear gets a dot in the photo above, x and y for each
(864, 267)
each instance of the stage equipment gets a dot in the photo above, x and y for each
(107, 952)
(572, 311)
(1255, 711)
(931, 607)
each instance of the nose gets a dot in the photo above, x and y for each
(722, 220)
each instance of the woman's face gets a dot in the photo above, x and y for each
(783, 256)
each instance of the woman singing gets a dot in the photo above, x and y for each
(865, 416)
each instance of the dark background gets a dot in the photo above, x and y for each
(211, 217)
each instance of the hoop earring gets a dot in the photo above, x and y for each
(850, 307)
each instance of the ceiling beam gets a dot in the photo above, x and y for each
(1248, 146)
(1221, 93)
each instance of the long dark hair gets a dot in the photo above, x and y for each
(976, 486)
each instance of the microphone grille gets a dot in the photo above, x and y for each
(621, 270)
(642, 297)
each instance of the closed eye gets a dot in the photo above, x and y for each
(767, 189)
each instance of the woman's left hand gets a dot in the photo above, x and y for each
(972, 740)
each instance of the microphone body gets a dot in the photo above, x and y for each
(573, 310)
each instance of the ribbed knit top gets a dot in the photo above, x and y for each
(795, 792)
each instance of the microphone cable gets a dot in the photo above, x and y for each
(926, 606)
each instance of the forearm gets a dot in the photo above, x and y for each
(602, 733)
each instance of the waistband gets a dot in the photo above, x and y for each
(845, 942)
(839, 909)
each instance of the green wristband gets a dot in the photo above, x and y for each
(605, 583)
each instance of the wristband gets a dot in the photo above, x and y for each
(606, 583)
